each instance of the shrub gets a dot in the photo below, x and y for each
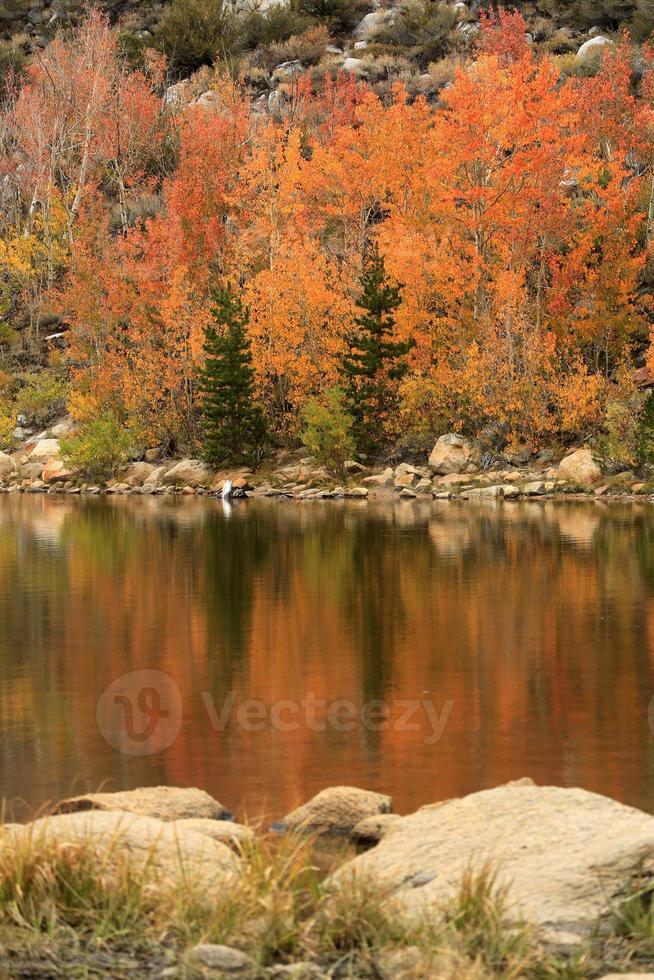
(422, 26)
(645, 432)
(307, 47)
(7, 426)
(642, 23)
(42, 397)
(98, 449)
(272, 26)
(328, 432)
(193, 33)
(338, 15)
(12, 61)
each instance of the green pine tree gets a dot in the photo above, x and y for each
(234, 426)
(373, 363)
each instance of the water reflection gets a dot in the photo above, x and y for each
(535, 620)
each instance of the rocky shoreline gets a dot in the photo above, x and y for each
(550, 869)
(456, 469)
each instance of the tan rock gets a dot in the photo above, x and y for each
(7, 466)
(452, 479)
(163, 802)
(137, 474)
(337, 810)
(167, 850)
(188, 472)
(562, 854)
(534, 489)
(453, 453)
(235, 835)
(580, 468)
(371, 830)
(43, 450)
(55, 469)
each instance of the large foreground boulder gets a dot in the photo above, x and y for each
(188, 473)
(168, 850)
(162, 802)
(235, 835)
(565, 856)
(337, 810)
(579, 468)
(453, 453)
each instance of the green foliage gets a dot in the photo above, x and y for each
(423, 26)
(642, 24)
(477, 919)
(273, 26)
(7, 426)
(193, 33)
(609, 14)
(645, 432)
(374, 361)
(328, 432)
(12, 61)
(98, 449)
(43, 397)
(621, 427)
(234, 426)
(338, 15)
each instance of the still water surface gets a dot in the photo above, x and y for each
(522, 635)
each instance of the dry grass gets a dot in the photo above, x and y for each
(281, 909)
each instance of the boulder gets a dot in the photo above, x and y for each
(563, 855)
(592, 47)
(55, 469)
(7, 466)
(162, 802)
(188, 472)
(168, 851)
(451, 479)
(483, 493)
(453, 453)
(353, 65)
(579, 467)
(137, 474)
(534, 489)
(384, 479)
(337, 810)
(371, 830)
(30, 471)
(62, 428)
(372, 22)
(509, 491)
(221, 960)
(43, 450)
(235, 835)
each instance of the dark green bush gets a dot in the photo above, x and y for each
(582, 14)
(193, 33)
(12, 61)
(423, 27)
(645, 432)
(642, 24)
(337, 15)
(273, 26)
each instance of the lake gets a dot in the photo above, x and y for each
(265, 650)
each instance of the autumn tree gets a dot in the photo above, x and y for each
(234, 427)
(373, 363)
